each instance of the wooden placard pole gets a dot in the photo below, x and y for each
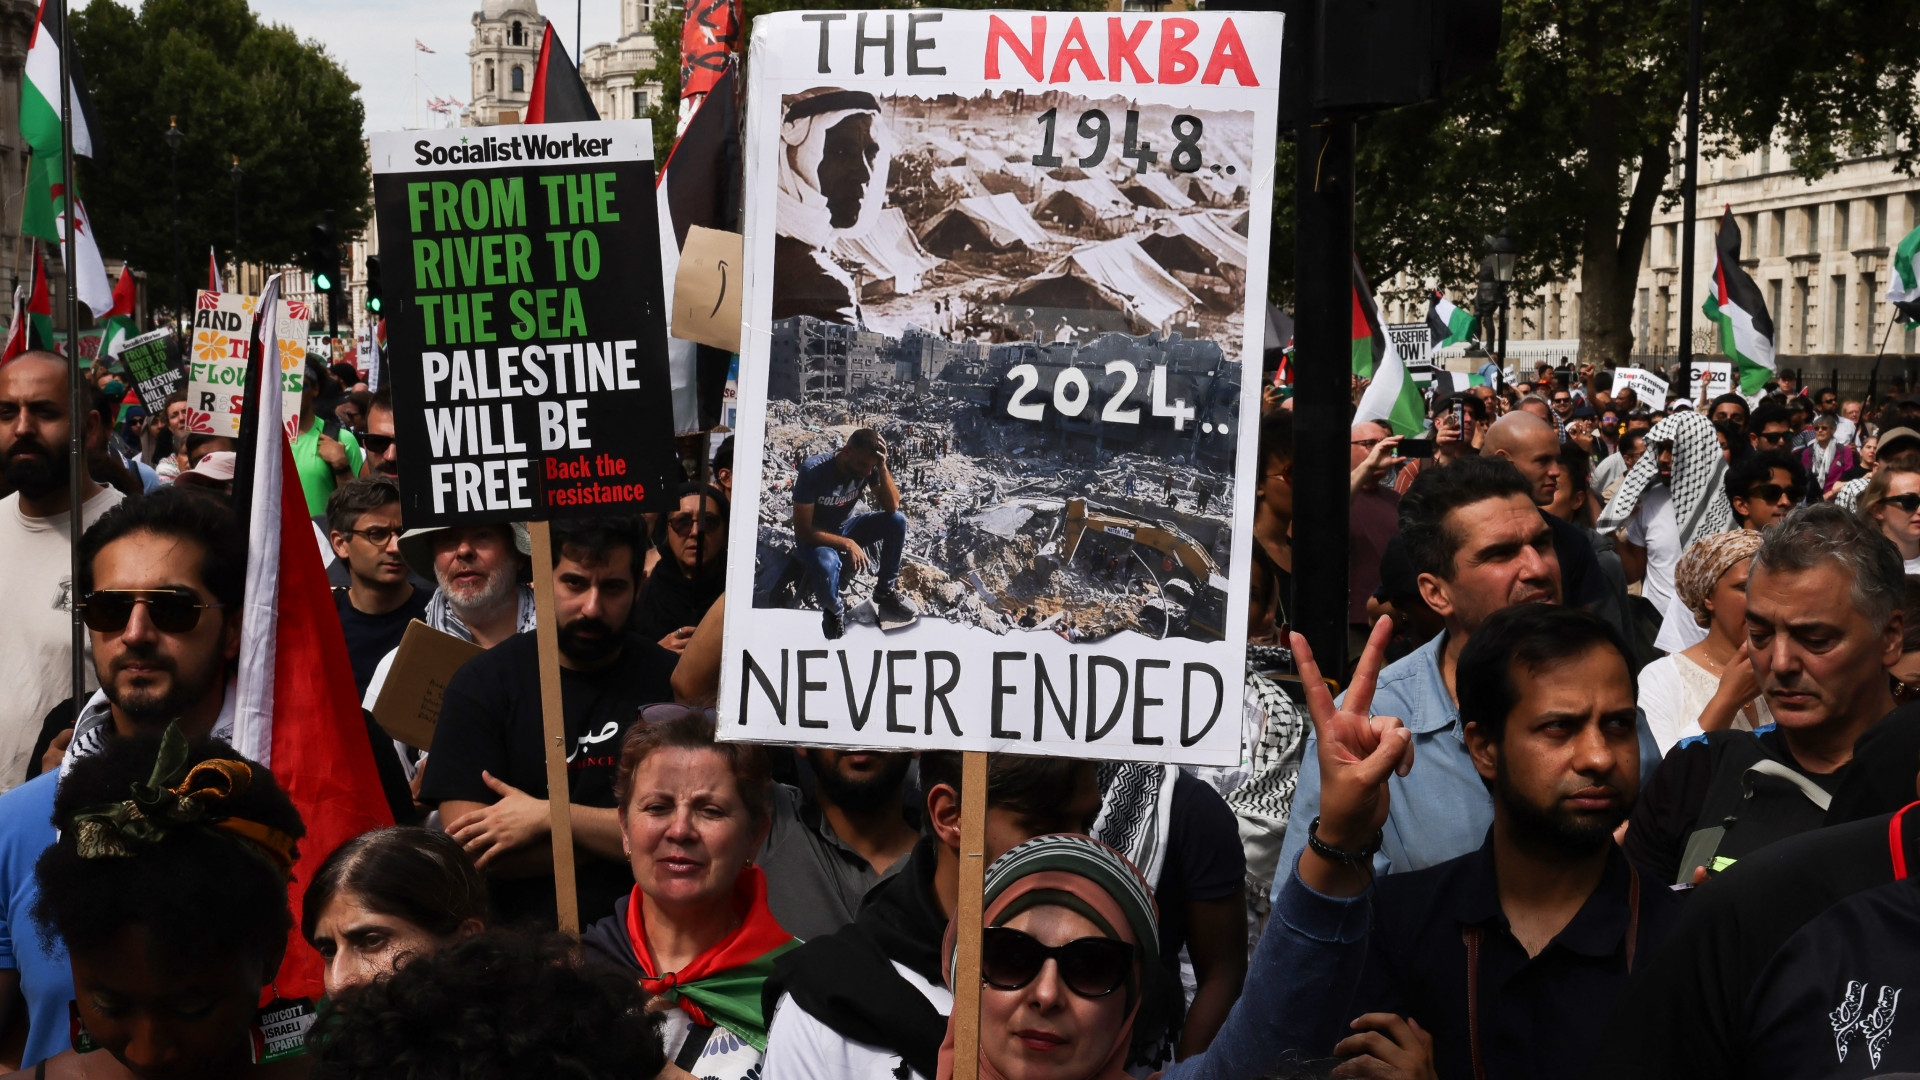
(967, 915)
(554, 726)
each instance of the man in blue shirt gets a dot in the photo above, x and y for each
(829, 537)
(1478, 544)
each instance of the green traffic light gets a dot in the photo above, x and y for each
(373, 304)
(322, 282)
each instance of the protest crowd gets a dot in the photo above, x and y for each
(1612, 779)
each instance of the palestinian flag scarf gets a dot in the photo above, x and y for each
(722, 985)
(1392, 397)
(1746, 330)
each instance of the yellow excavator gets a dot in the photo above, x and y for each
(1206, 605)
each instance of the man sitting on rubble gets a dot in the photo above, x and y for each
(823, 496)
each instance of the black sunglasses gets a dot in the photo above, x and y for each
(172, 611)
(1773, 436)
(1909, 502)
(376, 444)
(1771, 493)
(1091, 966)
(682, 523)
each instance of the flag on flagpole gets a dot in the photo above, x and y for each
(558, 97)
(1449, 324)
(213, 272)
(40, 96)
(699, 184)
(296, 710)
(1392, 397)
(421, 46)
(32, 314)
(119, 324)
(1734, 302)
(43, 215)
(1904, 288)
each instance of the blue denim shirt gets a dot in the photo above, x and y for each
(1441, 809)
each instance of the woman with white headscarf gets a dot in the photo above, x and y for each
(1671, 497)
(834, 157)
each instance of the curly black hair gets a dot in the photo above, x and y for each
(498, 1005)
(196, 889)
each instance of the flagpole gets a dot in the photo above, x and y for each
(1689, 191)
(76, 405)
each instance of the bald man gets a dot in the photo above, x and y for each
(36, 637)
(1533, 447)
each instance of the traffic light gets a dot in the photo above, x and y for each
(323, 257)
(373, 284)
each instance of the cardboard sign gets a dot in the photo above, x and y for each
(1650, 389)
(706, 289)
(526, 331)
(222, 330)
(409, 703)
(153, 363)
(1029, 251)
(1711, 378)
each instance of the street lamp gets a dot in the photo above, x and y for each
(1502, 254)
(174, 135)
(236, 172)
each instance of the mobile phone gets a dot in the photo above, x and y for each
(1414, 448)
(1460, 420)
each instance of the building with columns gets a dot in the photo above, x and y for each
(618, 73)
(502, 56)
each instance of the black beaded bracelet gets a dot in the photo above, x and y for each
(1361, 858)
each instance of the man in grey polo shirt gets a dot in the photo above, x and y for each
(826, 851)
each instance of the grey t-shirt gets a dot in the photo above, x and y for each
(814, 880)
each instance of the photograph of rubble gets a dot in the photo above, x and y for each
(1031, 308)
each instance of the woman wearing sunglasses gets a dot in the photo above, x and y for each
(692, 571)
(1892, 500)
(1068, 962)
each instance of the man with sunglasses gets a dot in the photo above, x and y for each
(1901, 444)
(36, 636)
(382, 453)
(363, 527)
(487, 770)
(1762, 487)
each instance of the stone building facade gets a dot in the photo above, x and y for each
(502, 56)
(617, 72)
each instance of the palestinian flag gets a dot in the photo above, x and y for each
(119, 325)
(699, 184)
(1392, 398)
(40, 94)
(1746, 330)
(1904, 290)
(32, 314)
(1449, 325)
(559, 97)
(43, 215)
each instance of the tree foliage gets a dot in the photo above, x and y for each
(1568, 139)
(239, 87)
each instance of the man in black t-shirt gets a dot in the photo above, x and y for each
(363, 525)
(1823, 626)
(487, 771)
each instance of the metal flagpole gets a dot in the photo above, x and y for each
(1689, 190)
(77, 411)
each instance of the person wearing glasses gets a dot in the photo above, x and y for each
(1504, 961)
(1827, 459)
(1894, 445)
(1069, 963)
(692, 571)
(382, 456)
(363, 527)
(1892, 502)
(487, 772)
(161, 582)
(36, 637)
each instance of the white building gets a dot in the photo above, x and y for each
(618, 73)
(506, 49)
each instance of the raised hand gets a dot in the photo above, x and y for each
(1357, 752)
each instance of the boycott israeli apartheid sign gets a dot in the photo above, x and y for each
(1004, 272)
(526, 333)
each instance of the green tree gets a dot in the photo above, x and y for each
(1568, 139)
(239, 87)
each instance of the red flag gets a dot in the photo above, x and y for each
(709, 35)
(298, 712)
(32, 317)
(559, 97)
(213, 272)
(124, 292)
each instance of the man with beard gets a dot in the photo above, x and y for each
(825, 851)
(162, 579)
(488, 773)
(1540, 927)
(478, 598)
(35, 547)
(382, 453)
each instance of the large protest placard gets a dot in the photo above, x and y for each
(1026, 254)
(152, 361)
(526, 331)
(222, 330)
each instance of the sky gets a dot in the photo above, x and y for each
(373, 40)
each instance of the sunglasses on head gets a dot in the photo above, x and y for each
(1909, 502)
(1091, 966)
(376, 445)
(682, 522)
(172, 611)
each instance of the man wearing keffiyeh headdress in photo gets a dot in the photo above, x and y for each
(833, 168)
(1675, 494)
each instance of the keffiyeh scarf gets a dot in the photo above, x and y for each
(1696, 486)
(440, 615)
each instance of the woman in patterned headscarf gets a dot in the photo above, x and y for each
(1067, 963)
(1710, 685)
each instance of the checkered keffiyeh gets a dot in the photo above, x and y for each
(1697, 485)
